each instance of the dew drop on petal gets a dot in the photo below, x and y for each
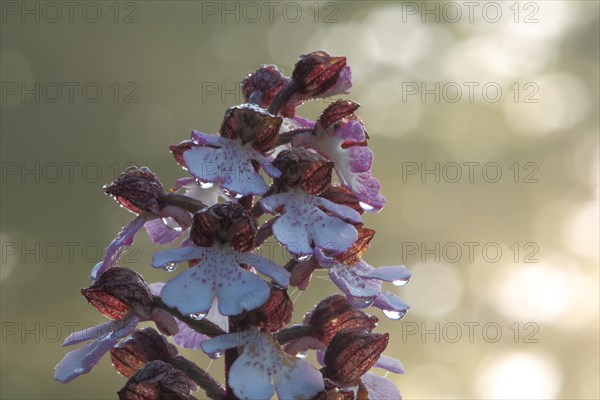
(394, 314)
(304, 257)
(172, 224)
(78, 370)
(400, 282)
(204, 185)
(198, 316)
(214, 356)
(302, 354)
(363, 302)
(170, 266)
(365, 206)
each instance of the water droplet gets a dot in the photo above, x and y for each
(198, 316)
(78, 370)
(363, 302)
(304, 257)
(170, 266)
(400, 282)
(365, 206)
(302, 354)
(238, 196)
(215, 355)
(204, 185)
(394, 314)
(172, 224)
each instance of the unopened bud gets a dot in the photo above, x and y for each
(250, 123)
(142, 347)
(305, 168)
(336, 112)
(137, 189)
(118, 291)
(262, 85)
(157, 381)
(318, 71)
(351, 353)
(334, 314)
(226, 223)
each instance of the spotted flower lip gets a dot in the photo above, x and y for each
(263, 368)
(218, 275)
(229, 163)
(362, 285)
(303, 225)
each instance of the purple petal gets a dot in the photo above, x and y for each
(249, 379)
(351, 131)
(89, 333)
(188, 338)
(301, 381)
(206, 139)
(217, 345)
(298, 122)
(230, 165)
(390, 364)
(342, 85)
(392, 306)
(266, 267)
(163, 258)
(380, 388)
(116, 248)
(160, 233)
(344, 212)
(82, 360)
(398, 274)
(188, 292)
(351, 282)
(303, 344)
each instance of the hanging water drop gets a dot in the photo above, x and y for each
(366, 206)
(198, 316)
(394, 314)
(400, 282)
(204, 185)
(215, 355)
(304, 257)
(170, 266)
(227, 192)
(302, 354)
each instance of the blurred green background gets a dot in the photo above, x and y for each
(483, 118)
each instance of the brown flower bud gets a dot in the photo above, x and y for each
(341, 195)
(143, 346)
(137, 189)
(334, 314)
(250, 123)
(227, 223)
(351, 353)
(118, 291)
(354, 254)
(156, 381)
(336, 112)
(318, 71)
(263, 84)
(302, 167)
(277, 311)
(178, 149)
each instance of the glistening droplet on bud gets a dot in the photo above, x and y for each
(400, 282)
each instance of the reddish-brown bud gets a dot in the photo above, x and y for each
(336, 112)
(118, 291)
(318, 71)
(277, 311)
(341, 195)
(250, 123)
(142, 347)
(157, 381)
(302, 167)
(178, 149)
(334, 314)
(351, 353)
(354, 254)
(225, 223)
(137, 189)
(263, 84)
